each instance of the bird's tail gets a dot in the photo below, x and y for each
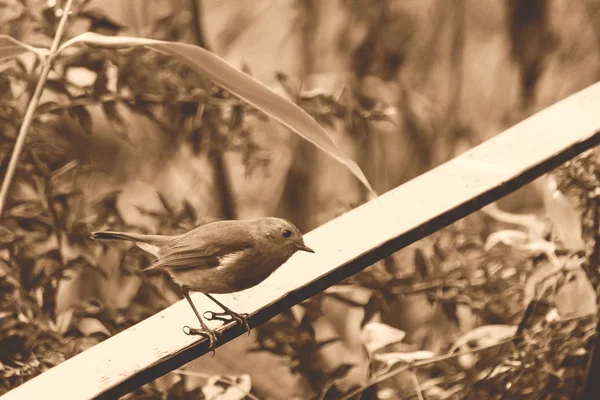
(150, 243)
(134, 237)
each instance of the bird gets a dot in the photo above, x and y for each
(223, 256)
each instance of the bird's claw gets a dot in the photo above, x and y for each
(212, 336)
(213, 316)
(226, 317)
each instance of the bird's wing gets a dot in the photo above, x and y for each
(205, 247)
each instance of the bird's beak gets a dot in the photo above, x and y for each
(303, 247)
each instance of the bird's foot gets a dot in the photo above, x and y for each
(211, 335)
(229, 316)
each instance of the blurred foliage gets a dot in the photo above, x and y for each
(44, 229)
(498, 325)
(508, 285)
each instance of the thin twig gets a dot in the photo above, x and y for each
(415, 381)
(196, 97)
(216, 156)
(417, 364)
(31, 107)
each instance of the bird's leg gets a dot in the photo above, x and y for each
(242, 319)
(206, 331)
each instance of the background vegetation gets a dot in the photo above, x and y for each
(134, 140)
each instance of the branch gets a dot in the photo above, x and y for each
(31, 107)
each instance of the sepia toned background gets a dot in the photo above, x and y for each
(402, 86)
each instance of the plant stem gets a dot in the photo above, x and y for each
(223, 185)
(197, 14)
(31, 107)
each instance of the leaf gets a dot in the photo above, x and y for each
(82, 115)
(165, 203)
(521, 240)
(90, 307)
(499, 370)
(565, 218)
(114, 117)
(63, 320)
(351, 295)
(531, 222)
(544, 276)
(29, 212)
(402, 357)
(58, 86)
(449, 308)
(242, 85)
(88, 326)
(63, 170)
(536, 311)
(507, 236)
(340, 372)
(188, 213)
(573, 296)
(101, 20)
(349, 302)
(10, 48)
(422, 263)
(139, 194)
(376, 335)
(325, 343)
(71, 250)
(287, 84)
(577, 296)
(6, 235)
(227, 387)
(47, 107)
(83, 262)
(484, 336)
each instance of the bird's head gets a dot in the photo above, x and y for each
(284, 235)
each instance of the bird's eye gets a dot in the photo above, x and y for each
(287, 233)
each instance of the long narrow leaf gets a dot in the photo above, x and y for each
(242, 85)
(10, 47)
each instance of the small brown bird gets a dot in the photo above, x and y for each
(220, 257)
